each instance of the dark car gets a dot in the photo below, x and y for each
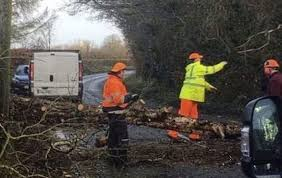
(261, 148)
(21, 81)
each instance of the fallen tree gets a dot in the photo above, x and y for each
(166, 118)
(59, 111)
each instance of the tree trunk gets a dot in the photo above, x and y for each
(5, 36)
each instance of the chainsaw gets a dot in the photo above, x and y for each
(180, 137)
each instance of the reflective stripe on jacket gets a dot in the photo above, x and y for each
(114, 92)
(195, 84)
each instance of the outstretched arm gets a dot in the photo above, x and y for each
(207, 70)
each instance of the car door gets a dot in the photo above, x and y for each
(266, 137)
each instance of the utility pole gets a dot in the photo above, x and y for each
(5, 60)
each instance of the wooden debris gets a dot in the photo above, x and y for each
(164, 118)
(80, 107)
(101, 139)
(43, 108)
(218, 129)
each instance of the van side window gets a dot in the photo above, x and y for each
(265, 125)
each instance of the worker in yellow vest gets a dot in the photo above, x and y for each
(194, 85)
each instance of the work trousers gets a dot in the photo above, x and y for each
(118, 139)
(189, 109)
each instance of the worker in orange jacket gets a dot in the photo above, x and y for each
(115, 101)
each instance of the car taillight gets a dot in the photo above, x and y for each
(31, 69)
(80, 71)
(245, 141)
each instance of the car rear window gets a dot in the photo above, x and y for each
(22, 70)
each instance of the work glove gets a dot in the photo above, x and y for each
(213, 88)
(131, 97)
(224, 63)
(134, 97)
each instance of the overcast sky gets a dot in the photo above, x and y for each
(71, 28)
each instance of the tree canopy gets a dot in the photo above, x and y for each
(162, 33)
(31, 27)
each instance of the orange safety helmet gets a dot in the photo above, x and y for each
(194, 56)
(271, 63)
(118, 67)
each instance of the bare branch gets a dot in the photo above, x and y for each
(266, 33)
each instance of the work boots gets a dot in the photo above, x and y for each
(118, 157)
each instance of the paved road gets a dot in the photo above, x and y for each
(93, 85)
(92, 91)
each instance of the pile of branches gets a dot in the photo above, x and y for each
(54, 111)
(60, 111)
(42, 111)
(167, 118)
(27, 144)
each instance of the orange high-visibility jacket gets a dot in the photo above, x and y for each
(114, 92)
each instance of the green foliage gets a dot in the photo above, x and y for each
(154, 94)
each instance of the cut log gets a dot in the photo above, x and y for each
(80, 107)
(43, 108)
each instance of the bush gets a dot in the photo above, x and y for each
(154, 94)
(101, 65)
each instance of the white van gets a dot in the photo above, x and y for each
(56, 73)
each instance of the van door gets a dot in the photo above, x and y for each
(56, 74)
(265, 138)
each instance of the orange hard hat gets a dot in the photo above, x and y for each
(118, 67)
(271, 63)
(193, 56)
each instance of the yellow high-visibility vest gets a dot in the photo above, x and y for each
(194, 85)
